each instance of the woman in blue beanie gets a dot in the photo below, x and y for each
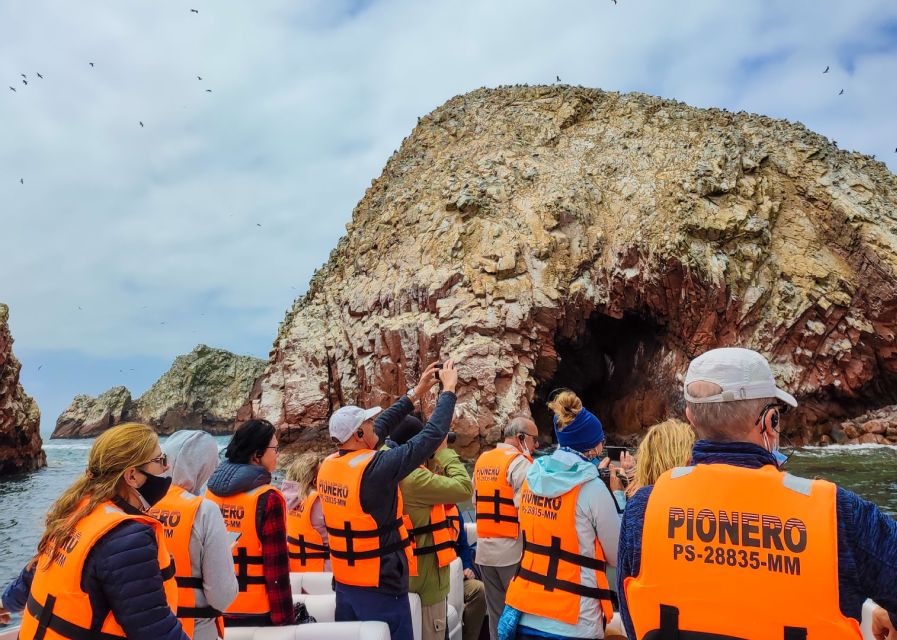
(571, 528)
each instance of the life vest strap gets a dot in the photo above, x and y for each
(555, 552)
(496, 515)
(352, 556)
(348, 532)
(434, 548)
(669, 629)
(302, 542)
(430, 528)
(47, 620)
(198, 612)
(307, 550)
(242, 560)
(552, 583)
(188, 583)
(168, 572)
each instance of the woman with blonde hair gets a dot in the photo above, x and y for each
(307, 538)
(102, 569)
(666, 445)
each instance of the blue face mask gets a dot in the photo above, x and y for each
(780, 457)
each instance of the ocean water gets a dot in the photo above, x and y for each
(869, 470)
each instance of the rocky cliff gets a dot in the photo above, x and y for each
(560, 236)
(20, 441)
(202, 390)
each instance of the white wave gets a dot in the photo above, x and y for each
(835, 449)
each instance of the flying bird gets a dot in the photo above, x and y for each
(40, 76)
(614, 1)
(40, 367)
(140, 122)
(90, 63)
(826, 69)
(557, 78)
(21, 180)
(23, 75)
(194, 10)
(25, 82)
(208, 91)
(257, 224)
(12, 88)
(841, 93)
(199, 77)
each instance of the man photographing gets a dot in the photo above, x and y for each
(359, 492)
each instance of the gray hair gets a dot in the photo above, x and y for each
(516, 426)
(723, 421)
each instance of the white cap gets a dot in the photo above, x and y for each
(346, 420)
(741, 373)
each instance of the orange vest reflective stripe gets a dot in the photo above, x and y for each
(443, 538)
(306, 546)
(549, 580)
(718, 540)
(454, 519)
(496, 513)
(356, 540)
(177, 513)
(239, 513)
(57, 607)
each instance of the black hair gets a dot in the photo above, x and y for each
(251, 438)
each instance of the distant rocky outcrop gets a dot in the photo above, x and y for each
(562, 236)
(20, 441)
(202, 390)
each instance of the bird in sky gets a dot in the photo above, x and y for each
(257, 224)
(23, 75)
(208, 91)
(841, 93)
(557, 78)
(140, 122)
(199, 77)
(194, 10)
(614, 1)
(40, 367)
(21, 180)
(12, 88)
(80, 309)
(40, 76)
(826, 69)
(90, 63)
(25, 82)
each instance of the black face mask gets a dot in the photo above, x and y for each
(155, 487)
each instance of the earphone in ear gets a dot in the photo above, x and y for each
(774, 421)
(360, 433)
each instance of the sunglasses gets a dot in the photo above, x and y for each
(163, 460)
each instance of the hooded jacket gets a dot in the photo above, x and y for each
(596, 517)
(192, 458)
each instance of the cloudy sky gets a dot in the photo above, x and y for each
(128, 245)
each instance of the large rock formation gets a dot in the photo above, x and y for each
(202, 390)
(20, 441)
(560, 236)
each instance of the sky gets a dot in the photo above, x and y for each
(123, 246)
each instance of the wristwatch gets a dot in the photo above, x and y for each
(410, 394)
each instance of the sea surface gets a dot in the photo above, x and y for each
(869, 470)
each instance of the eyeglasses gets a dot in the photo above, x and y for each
(163, 460)
(533, 436)
(276, 449)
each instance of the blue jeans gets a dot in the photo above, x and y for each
(354, 604)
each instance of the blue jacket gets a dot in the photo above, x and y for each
(121, 574)
(867, 538)
(463, 547)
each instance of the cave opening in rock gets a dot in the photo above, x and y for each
(616, 367)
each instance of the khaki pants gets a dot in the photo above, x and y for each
(433, 621)
(474, 609)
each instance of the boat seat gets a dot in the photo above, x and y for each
(317, 631)
(323, 608)
(455, 599)
(312, 582)
(470, 528)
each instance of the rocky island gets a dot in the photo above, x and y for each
(20, 441)
(562, 236)
(202, 390)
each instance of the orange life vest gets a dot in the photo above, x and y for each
(496, 513)
(57, 607)
(454, 519)
(548, 582)
(718, 540)
(356, 540)
(239, 513)
(306, 546)
(177, 513)
(443, 538)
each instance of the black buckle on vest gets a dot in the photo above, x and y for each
(430, 528)
(669, 629)
(46, 619)
(497, 501)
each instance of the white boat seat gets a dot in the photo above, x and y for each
(311, 582)
(317, 631)
(323, 608)
(470, 528)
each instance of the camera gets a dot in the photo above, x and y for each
(436, 373)
(451, 437)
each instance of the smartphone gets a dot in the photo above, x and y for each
(436, 373)
(614, 452)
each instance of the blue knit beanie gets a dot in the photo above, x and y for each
(584, 433)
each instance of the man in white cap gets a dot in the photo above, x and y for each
(359, 491)
(732, 546)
